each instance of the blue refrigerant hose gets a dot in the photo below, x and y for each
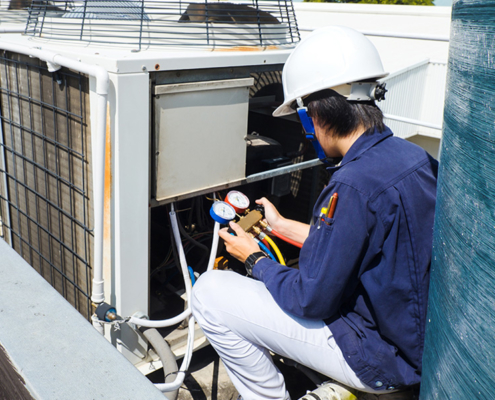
(265, 249)
(191, 274)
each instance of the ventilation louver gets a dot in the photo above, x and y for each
(148, 24)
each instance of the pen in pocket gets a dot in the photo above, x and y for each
(332, 204)
(328, 211)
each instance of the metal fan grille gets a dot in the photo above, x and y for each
(45, 173)
(147, 24)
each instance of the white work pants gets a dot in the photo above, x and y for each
(242, 322)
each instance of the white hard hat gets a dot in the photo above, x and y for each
(327, 58)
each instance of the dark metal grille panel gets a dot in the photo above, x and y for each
(144, 24)
(45, 173)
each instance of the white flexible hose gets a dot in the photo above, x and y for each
(160, 323)
(214, 246)
(187, 283)
(171, 386)
(168, 387)
(182, 256)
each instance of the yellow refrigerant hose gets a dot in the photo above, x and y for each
(276, 249)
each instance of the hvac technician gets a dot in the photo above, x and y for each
(355, 309)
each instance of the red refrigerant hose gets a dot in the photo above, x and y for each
(285, 239)
(265, 242)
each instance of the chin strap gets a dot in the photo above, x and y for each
(309, 129)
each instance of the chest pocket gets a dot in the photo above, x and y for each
(317, 241)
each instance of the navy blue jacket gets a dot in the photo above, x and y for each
(365, 272)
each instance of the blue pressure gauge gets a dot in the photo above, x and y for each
(222, 212)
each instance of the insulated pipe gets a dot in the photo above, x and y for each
(166, 356)
(98, 148)
(56, 61)
(168, 387)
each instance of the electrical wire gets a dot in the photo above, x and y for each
(276, 249)
(168, 263)
(195, 242)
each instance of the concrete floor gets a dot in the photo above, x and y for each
(208, 379)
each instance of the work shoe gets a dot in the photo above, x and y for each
(336, 391)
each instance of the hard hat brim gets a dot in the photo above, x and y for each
(286, 109)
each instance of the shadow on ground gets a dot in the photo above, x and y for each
(207, 379)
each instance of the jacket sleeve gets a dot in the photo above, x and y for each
(330, 261)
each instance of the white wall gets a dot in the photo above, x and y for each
(396, 53)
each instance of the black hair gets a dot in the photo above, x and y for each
(333, 111)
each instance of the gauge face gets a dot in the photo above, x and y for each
(222, 212)
(238, 200)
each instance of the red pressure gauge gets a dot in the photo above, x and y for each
(238, 200)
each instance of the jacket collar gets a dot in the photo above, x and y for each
(365, 142)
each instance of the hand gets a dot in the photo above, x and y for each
(272, 216)
(291, 229)
(240, 246)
